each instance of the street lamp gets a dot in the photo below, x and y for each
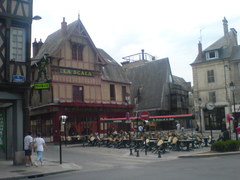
(199, 103)
(62, 121)
(232, 88)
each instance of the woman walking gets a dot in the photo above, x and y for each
(40, 144)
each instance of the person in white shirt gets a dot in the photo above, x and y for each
(28, 145)
(40, 144)
(178, 126)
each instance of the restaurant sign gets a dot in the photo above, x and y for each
(76, 72)
(41, 86)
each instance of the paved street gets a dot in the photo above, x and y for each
(107, 163)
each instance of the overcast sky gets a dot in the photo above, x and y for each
(124, 27)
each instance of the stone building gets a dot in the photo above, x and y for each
(213, 70)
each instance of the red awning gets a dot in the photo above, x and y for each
(151, 118)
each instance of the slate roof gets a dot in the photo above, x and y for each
(54, 40)
(153, 77)
(223, 44)
(235, 53)
(181, 82)
(112, 71)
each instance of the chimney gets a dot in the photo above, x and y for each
(64, 26)
(200, 54)
(35, 48)
(225, 26)
(40, 43)
(142, 54)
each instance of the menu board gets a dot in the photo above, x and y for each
(2, 128)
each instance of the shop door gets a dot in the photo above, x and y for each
(2, 133)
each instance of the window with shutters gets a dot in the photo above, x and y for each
(210, 76)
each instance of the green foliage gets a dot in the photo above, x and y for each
(225, 146)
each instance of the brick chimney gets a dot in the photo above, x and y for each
(64, 26)
(36, 47)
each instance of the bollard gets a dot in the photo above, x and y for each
(137, 153)
(145, 151)
(159, 154)
(131, 153)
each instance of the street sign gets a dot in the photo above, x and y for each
(18, 79)
(144, 115)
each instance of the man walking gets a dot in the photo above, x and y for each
(28, 145)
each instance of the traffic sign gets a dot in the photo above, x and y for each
(144, 115)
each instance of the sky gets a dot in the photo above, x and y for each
(163, 29)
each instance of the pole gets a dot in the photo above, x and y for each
(200, 119)
(60, 142)
(234, 110)
(65, 134)
(210, 119)
(137, 124)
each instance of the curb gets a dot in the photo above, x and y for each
(209, 155)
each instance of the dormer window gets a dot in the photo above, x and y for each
(212, 55)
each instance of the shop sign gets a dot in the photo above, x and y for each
(76, 72)
(41, 86)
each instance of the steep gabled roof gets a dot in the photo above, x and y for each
(56, 39)
(112, 71)
(150, 82)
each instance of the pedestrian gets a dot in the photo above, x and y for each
(197, 128)
(238, 131)
(178, 126)
(182, 128)
(28, 145)
(39, 145)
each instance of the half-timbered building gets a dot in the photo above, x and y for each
(15, 42)
(74, 78)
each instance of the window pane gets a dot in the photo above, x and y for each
(17, 46)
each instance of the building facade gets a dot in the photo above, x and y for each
(74, 78)
(15, 42)
(213, 71)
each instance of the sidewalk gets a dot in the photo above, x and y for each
(8, 171)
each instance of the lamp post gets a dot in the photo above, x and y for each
(232, 88)
(62, 121)
(200, 119)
